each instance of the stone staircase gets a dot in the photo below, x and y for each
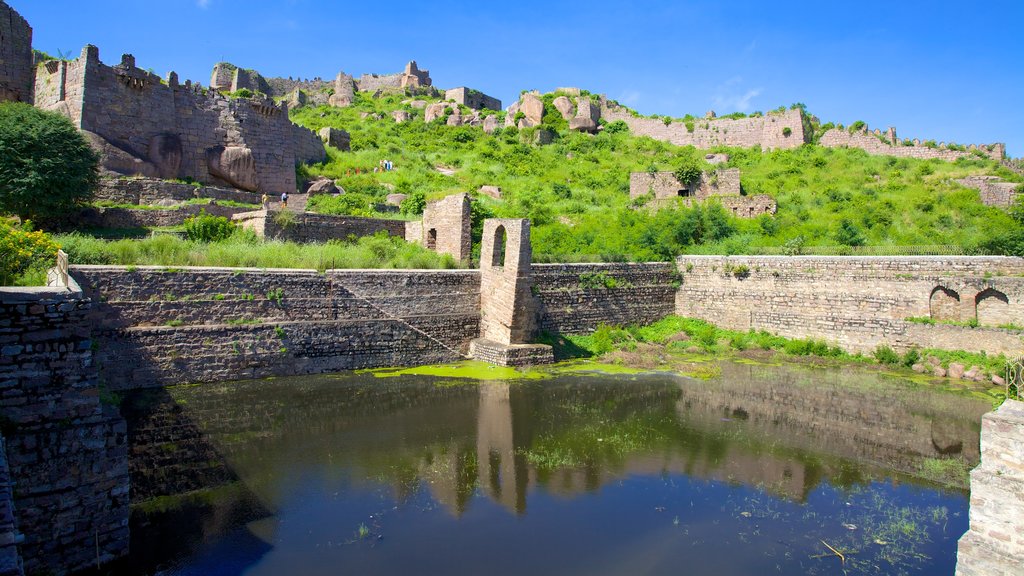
(296, 203)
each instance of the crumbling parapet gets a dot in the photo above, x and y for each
(472, 98)
(508, 308)
(994, 544)
(446, 227)
(722, 184)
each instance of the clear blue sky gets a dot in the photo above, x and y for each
(941, 70)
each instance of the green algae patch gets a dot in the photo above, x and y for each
(598, 367)
(468, 370)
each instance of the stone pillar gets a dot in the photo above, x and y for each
(994, 544)
(508, 310)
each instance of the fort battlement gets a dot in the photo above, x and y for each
(886, 143)
(147, 126)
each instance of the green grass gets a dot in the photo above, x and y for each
(244, 250)
(575, 190)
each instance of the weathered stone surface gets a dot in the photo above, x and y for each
(16, 65)
(401, 116)
(532, 107)
(994, 545)
(473, 99)
(956, 370)
(583, 125)
(722, 184)
(311, 227)
(344, 91)
(127, 108)
(436, 110)
(118, 160)
(836, 138)
(565, 107)
(994, 191)
(336, 138)
(492, 191)
(859, 303)
(418, 104)
(543, 137)
(153, 191)
(234, 165)
(165, 153)
(490, 124)
(297, 99)
(322, 185)
(919, 368)
(446, 227)
(396, 199)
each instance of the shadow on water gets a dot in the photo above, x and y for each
(304, 473)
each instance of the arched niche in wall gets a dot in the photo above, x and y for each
(500, 242)
(944, 304)
(992, 307)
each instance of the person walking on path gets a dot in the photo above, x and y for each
(284, 199)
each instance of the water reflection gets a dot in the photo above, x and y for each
(306, 453)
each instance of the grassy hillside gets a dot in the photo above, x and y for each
(576, 190)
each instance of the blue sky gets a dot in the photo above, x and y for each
(941, 70)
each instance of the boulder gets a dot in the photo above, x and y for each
(417, 104)
(583, 125)
(234, 165)
(492, 191)
(322, 185)
(165, 153)
(490, 124)
(435, 111)
(532, 108)
(998, 380)
(956, 370)
(972, 374)
(938, 371)
(564, 107)
(455, 118)
(118, 160)
(933, 360)
(395, 199)
(510, 114)
(543, 137)
(336, 137)
(919, 368)
(401, 116)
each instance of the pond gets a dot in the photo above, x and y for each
(761, 469)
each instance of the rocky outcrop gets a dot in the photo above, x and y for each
(532, 108)
(492, 191)
(401, 116)
(344, 91)
(116, 159)
(564, 107)
(490, 124)
(234, 165)
(165, 153)
(435, 111)
(322, 185)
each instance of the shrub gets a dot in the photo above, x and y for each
(886, 355)
(787, 131)
(22, 250)
(414, 204)
(46, 167)
(208, 228)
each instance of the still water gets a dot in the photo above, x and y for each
(761, 470)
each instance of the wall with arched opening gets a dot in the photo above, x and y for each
(944, 304)
(992, 307)
(499, 246)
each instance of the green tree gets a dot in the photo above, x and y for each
(849, 234)
(46, 167)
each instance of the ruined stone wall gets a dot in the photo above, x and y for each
(145, 126)
(577, 298)
(872, 144)
(10, 557)
(472, 98)
(66, 450)
(446, 227)
(129, 218)
(767, 131)
(151, 191)
(309, 146)
(993, 191)
(157, 327)
(861, 302)
(994, 544)
(722, 184)
(16, 63)
(310, 227)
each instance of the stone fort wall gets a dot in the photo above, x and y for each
(147, 126)
(311, 227)
(863, 302)
(872, 143)
(16, 63)
(768, 131)
(156, 327)
(66, 450)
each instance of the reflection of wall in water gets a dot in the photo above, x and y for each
(781, 429)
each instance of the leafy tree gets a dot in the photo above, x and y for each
(414, 203)
(849, 234)
(46, 167)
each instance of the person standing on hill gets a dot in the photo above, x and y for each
(284, 199)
